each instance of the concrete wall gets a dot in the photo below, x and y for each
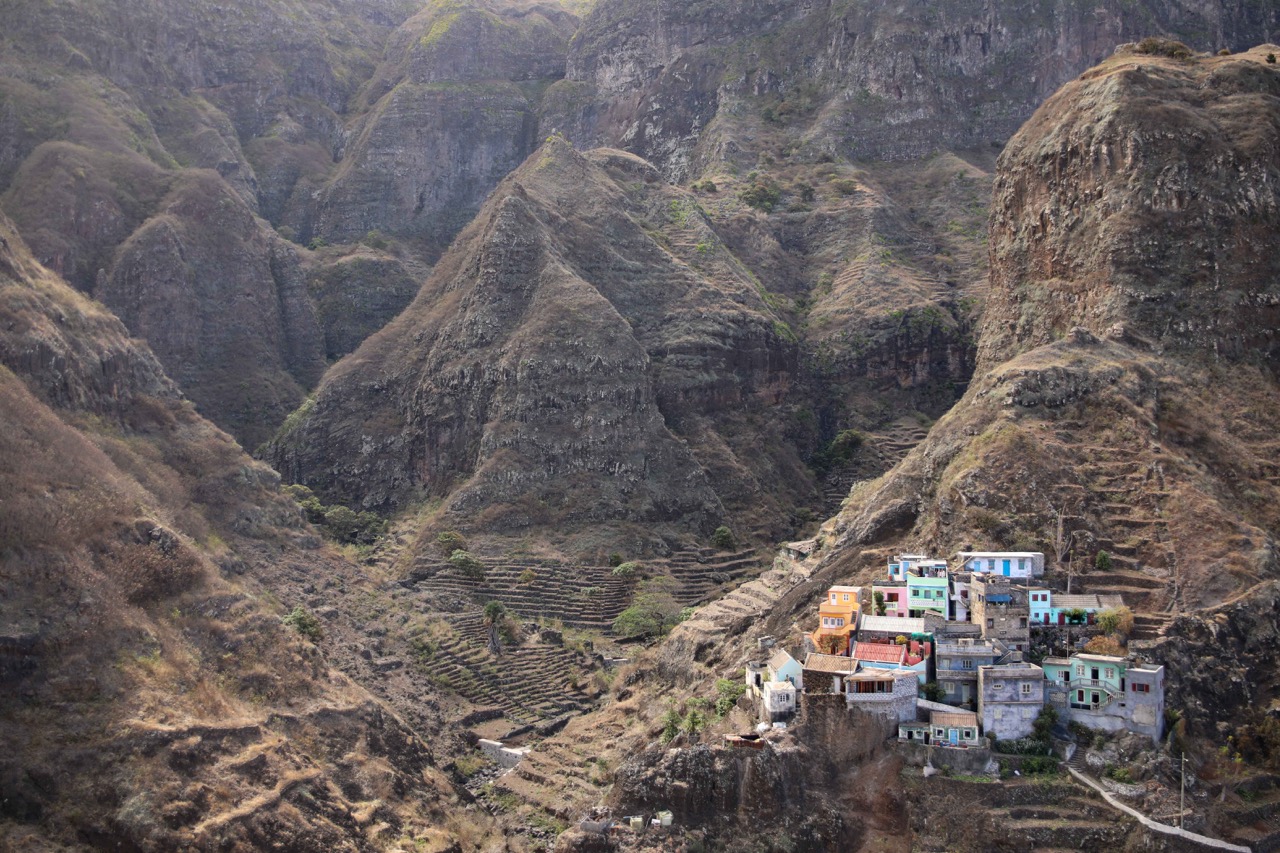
(504, 756)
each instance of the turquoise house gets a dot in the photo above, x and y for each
(927, 595)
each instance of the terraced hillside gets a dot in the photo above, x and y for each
(582, 596)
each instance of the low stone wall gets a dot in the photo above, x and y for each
(970, 761)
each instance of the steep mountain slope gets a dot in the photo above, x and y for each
(151, 697)
(587, 352)
(1127, 355)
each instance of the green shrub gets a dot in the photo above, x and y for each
(1120, 774)
(1102, 562)
(448, 541)
(527, 576)
(1035, 764)
(625, 570)
(723, 538)
(670, 725)
(305, 623)
(1271, 59)
(467, 565)
(728, 692)
(706, 186)
(762, 195)
(616, 559)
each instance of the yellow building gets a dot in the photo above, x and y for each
(838, 619)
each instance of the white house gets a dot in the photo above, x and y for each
(1010, 564)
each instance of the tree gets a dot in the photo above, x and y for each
(1076, 616)
(829, 644)
(1115, 620)
(933, 691)
(467, 565)
(878, 596)
(723, 538)
(500, 625)
(1102, 562)
(653, 611)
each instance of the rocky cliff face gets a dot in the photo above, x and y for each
(868, 82)
(132, 531)
(1151, 433)
(582, 355)
(452, 110)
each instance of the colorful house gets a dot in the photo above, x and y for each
(1108, 693)
(903, 564)
(1009, 564)
(1055, 608)
(913, 657)
(954, 728)
(837, 619)
(894, 596)
(926, 594)
(783, 667)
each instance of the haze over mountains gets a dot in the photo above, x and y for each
(576, 280)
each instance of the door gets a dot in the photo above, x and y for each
(1094, 670)
(1004, 567)
(954, 735)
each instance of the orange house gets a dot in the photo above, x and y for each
(838, 618)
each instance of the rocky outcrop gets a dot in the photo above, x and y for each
(806, 783)
(581, 355)
(1125, 373)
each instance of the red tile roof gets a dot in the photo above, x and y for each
(879, 652)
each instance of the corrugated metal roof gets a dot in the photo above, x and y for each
(893, 625)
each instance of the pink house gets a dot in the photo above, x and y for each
(895, 599)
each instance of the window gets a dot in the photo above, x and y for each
(1080, 670)
(1064, 676)
(1110, 672)
(846, 596)
(1141, 688)
(1026, 688)
(966, 664)
(999, 685)
(991, 623)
